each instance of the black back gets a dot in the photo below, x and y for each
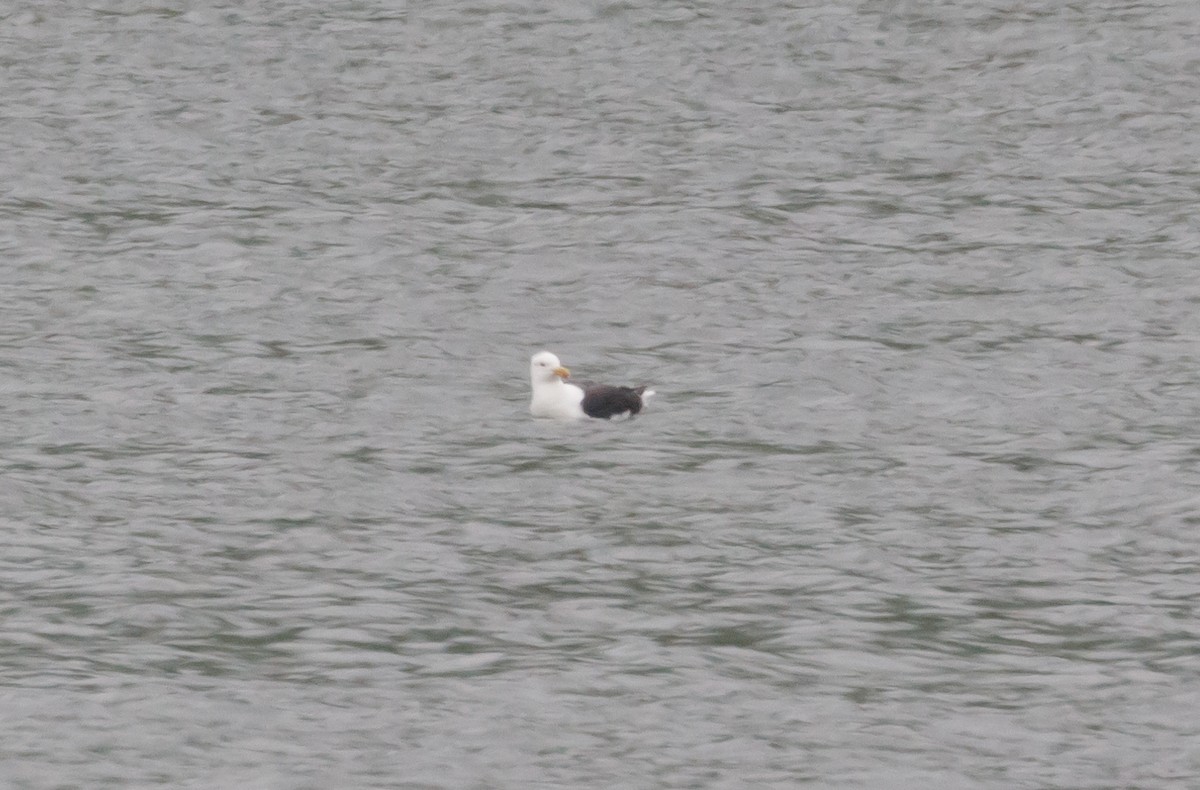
(603, 401)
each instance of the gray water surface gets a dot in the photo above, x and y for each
(916, 505)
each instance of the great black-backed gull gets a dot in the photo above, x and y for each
(554, 397)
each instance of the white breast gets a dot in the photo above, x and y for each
(556, 400)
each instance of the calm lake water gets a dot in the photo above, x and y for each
(917, 505)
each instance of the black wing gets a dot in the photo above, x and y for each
(603, 401)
